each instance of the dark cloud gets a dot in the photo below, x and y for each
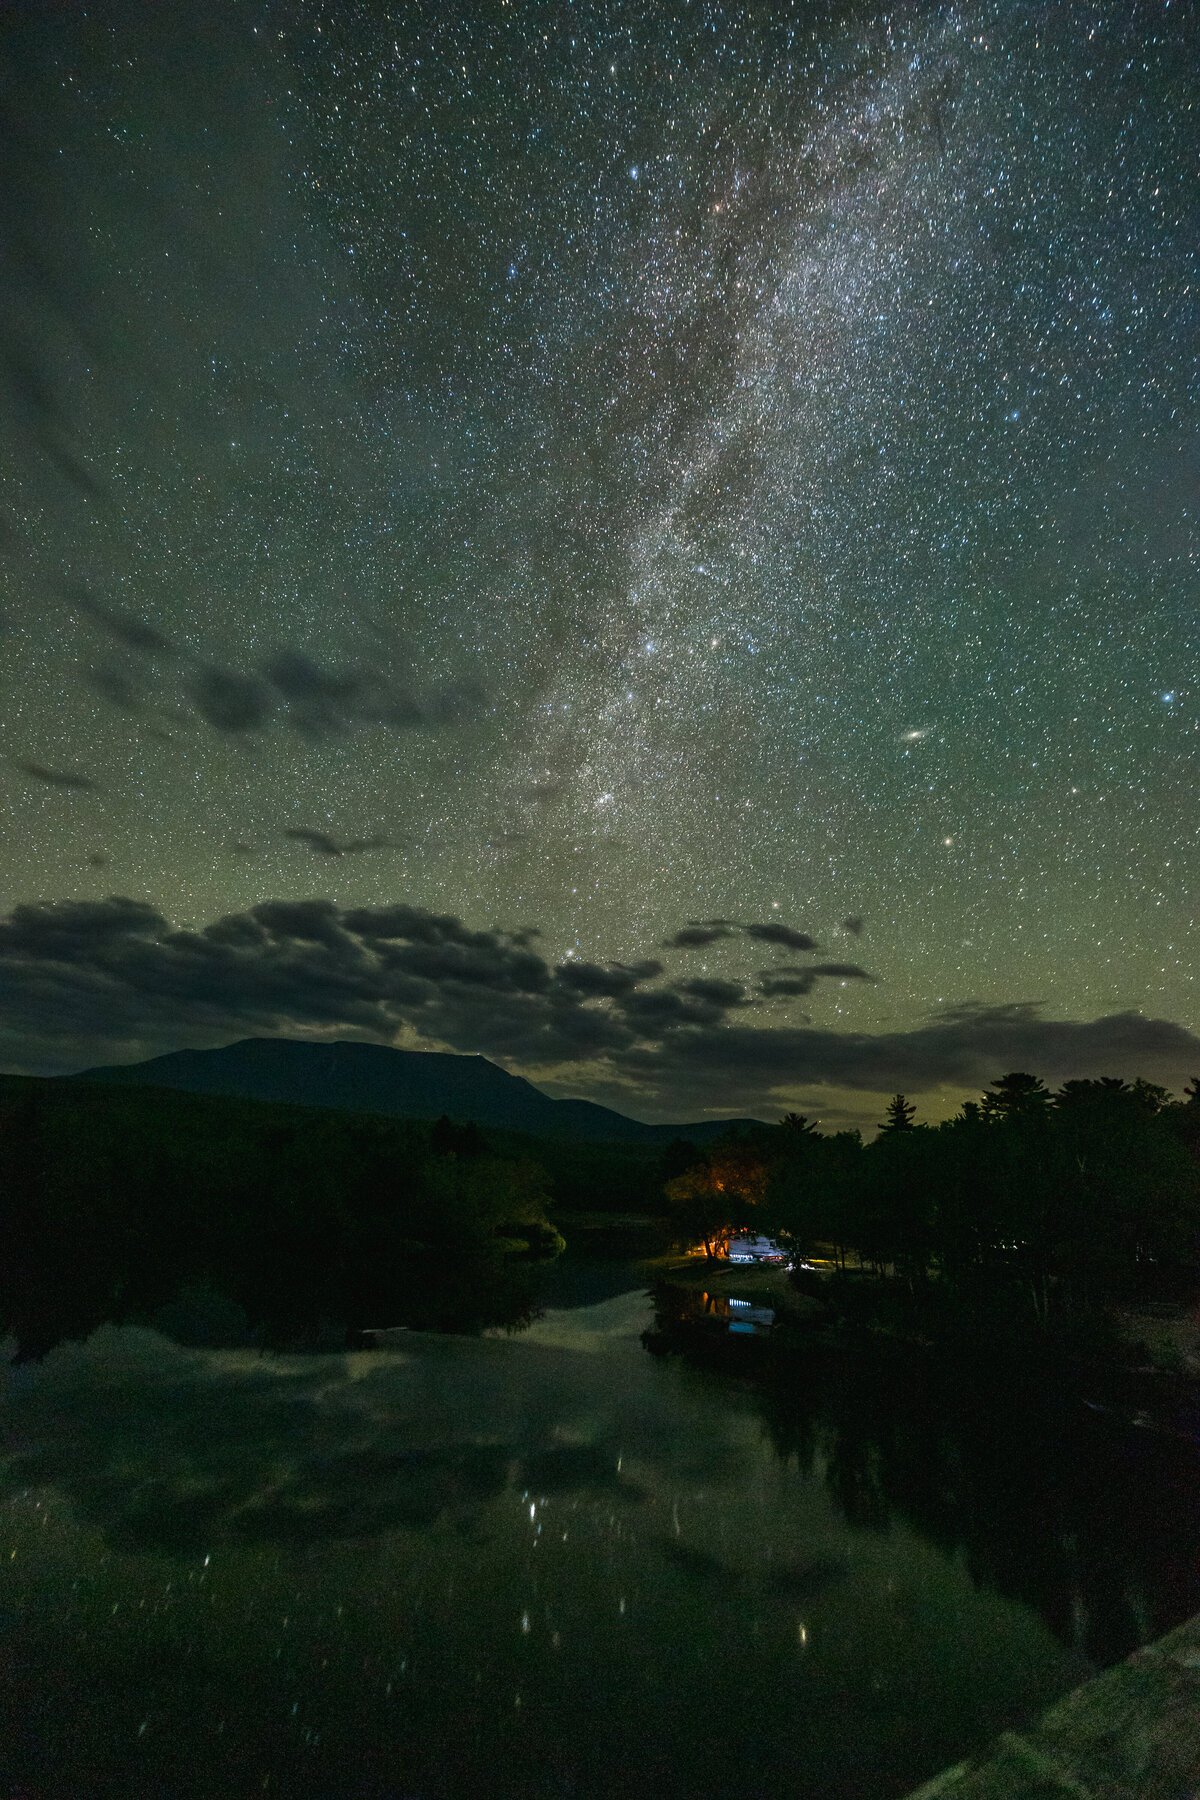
(229, 702)
(320, 704)
(787, 985)
(73, 930)
(960, 1048)
(775, 933)
(694, 937)
(414, 923)
(324, 703)
(47, 320)
(697, 933)
(116, 684)
(111, 980)
(327, 846)
(241, 849)
(853, 924)
(612, 980)
(316, 840)
(97, 860)
(126, 676)
(31, 389)
(125, 627)
(658, 1011)
(714, 992)
(60, 778)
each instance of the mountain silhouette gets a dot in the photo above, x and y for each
(416, 1084)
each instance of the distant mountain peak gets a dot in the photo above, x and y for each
(352, 1075)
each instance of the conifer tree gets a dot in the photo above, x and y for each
(900, 1115)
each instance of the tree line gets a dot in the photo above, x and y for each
(240, 1221)
(1047, 1205)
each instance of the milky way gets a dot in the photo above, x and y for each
(607, 466)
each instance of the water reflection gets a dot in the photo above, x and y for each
(1070, 1507)
(738, 1316)
(170, 1450)
(542, 1566)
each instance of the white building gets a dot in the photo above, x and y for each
(747, 1249)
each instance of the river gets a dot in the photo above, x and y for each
(543, 1565)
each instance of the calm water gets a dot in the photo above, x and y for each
(549, 1565)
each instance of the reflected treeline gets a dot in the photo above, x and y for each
(227, 1221)
(956, 1359)
(1047, 1486)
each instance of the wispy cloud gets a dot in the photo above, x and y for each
(328, 846)
(290, 688)
(59, 778)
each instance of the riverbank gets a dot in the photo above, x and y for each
(1133, 1731)
(1110, 1370)
(1150, 1340)
(719, 1276)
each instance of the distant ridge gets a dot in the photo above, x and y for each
(413, 1084)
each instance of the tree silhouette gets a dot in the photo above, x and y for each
(1084, 1093)
(677, 1158)
(710, 1200)
(446, 1138)
(900, 1115)
(1017, 1093)
(114, 1204)
(1153, 1097)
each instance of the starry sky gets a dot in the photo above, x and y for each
(712, 485)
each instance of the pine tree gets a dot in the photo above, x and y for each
(1017, 1095)
(900, 1115)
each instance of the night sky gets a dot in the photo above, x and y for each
(712, 486)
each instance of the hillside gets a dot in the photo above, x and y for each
(290, 1226)
(413, 1084)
